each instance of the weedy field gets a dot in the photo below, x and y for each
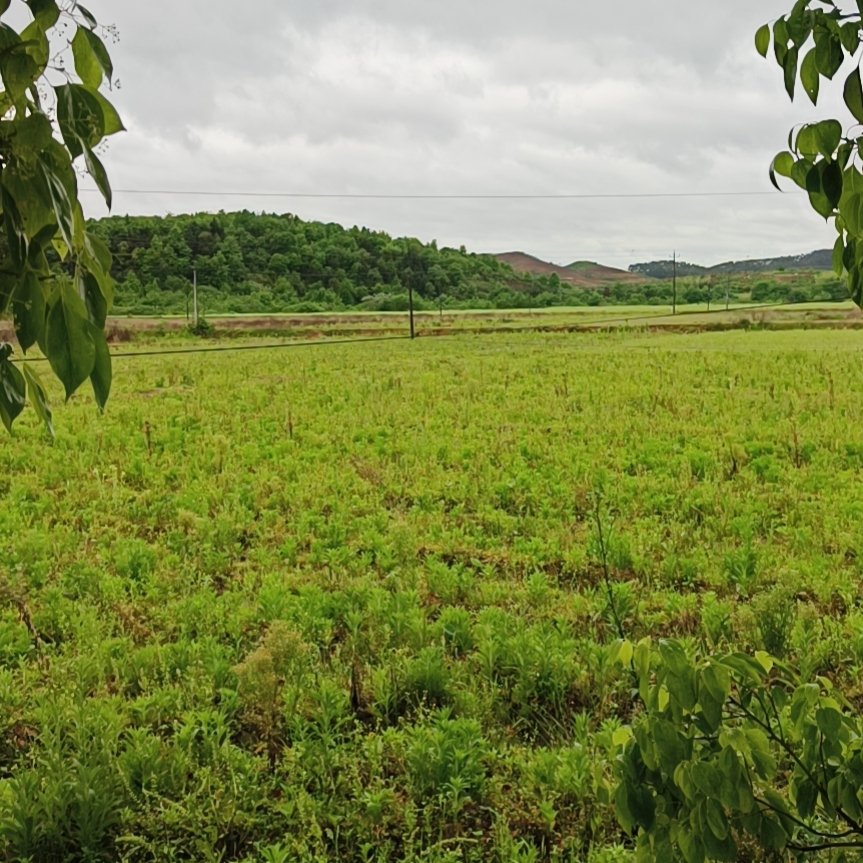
(359, 602)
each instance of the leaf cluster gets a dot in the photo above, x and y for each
(812, 43)
(44, 128)
(734, 748)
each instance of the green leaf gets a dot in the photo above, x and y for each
(828, 54)
(642, 806)
(17, 67)
(100, 176)
(95, 301)
(716, 820)
(783, 164)
(112, 121)
(621, 736)
(32, 198)
(68, 341)
(691, 846)
(838, 252)
(706, 777)
(810, 77)
(724, 850)
(101, 53)
(829, 135)
(849, 33)
(12, 391)
(38, 398)
(817, 197)
(765, 660)
(807, 142)
(13, 225)
(772, 835)
(46, 12)
(780, 41)
(831, 183)
(87, 65)
(744, 666)
(625, 652)
(806, 796)
(56, 168)
(80, 116)
(671, 745)
(28, 311)
(36, 44)
(853, 95)
(730, 773)
(621, 807)
(799, 27)
(789, 65)
(829, 721)
(759, 749)
(87, 16)
(680, 677)
(762, 40)
(717, 681)
(32, 135)
(100, 377)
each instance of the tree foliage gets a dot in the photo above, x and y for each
(262, 263)
(54, 116)
(734, 750)
(812, 43)
(253, 262)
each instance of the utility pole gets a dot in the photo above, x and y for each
(411, 308)
(195, 297)
(674, 284)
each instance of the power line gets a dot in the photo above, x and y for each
(383, 196)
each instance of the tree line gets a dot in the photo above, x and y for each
(260, 263)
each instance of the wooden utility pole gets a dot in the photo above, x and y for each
(674, 284)
(195, 297)
(411, 308)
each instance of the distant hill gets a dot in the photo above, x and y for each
(580, 274)
(818, 260)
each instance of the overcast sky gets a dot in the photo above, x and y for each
(396, 97)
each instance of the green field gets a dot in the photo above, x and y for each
(347, 603)
(358, 324)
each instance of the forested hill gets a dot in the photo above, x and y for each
(821, 259)
(247, 262)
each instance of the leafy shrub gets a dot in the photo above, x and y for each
(446, 761)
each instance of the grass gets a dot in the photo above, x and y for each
(348, 604)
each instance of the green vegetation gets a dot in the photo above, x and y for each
(62, 309)
(266, 263)
(363, 609)
(822, 158)
(260, 264)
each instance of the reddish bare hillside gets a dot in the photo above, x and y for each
(583, 274)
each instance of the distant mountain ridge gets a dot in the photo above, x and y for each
(821, 259)
(580, 274)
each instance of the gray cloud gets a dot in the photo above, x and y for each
(396, 97)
